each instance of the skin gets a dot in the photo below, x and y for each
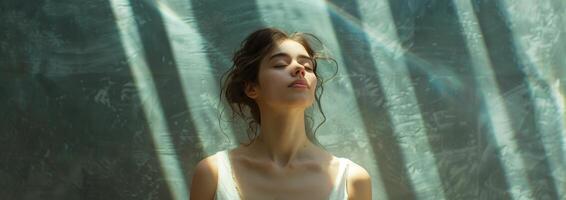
(282, 163)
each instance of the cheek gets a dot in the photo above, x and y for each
(271, 82)
(314, 83)
(313, 80)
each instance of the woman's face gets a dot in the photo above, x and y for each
(286, 77)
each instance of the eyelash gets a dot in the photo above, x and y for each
(308, 68)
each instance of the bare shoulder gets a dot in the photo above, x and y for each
(358, 183)
(205, 179)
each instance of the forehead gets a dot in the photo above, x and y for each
(290, 47)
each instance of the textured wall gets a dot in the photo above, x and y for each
(438, 99)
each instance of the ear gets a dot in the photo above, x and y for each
(251, 90)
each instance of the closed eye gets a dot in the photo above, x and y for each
(307, 63)
(308, 66)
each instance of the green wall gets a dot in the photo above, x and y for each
(437, 99)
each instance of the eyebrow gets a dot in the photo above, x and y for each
(287, 55)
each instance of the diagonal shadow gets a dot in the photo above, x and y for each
(221, 28)
(376, 120)
(433, 32)
(518, 97)
(163, 68)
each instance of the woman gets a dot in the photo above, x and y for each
(274, 79)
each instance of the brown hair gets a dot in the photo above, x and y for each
(245, 69)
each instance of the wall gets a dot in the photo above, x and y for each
(437, 99)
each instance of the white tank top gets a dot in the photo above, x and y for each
(227, 189)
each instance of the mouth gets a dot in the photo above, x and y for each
(299, 84)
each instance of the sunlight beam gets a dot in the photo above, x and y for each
(401, 101)
(536, 29)
(165, 150)
(497, 113)
(395, 50)
(195, 71)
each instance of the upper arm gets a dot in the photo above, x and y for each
(205, 179)
(358, 183)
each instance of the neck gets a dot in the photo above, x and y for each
(282, 136)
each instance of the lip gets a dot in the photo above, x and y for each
(299, 84)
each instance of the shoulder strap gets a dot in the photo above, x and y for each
(340, 192)
(226, 188)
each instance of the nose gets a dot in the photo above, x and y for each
(299, 70)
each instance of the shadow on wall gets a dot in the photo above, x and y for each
(75, 124)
